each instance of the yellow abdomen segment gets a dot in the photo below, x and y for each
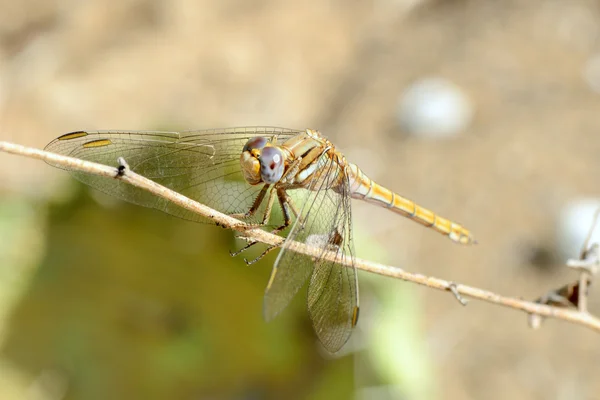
(362, 187)
(428, 218)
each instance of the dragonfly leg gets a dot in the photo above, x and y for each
(267, 214)
(257, 202)
(292, 206)
(265, 219)
(284, 202)
(284, 199)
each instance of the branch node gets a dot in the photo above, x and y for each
(589, 262)
(122, 168)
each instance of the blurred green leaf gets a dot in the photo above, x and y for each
(131, 303)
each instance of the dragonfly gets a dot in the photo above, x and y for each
(248, 173)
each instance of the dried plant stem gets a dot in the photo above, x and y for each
(572, 315)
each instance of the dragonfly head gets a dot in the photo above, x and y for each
(261, 162)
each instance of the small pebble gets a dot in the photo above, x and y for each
(575, 221)
(434, 108)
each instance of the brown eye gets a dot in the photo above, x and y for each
(271, 165)
(255, 143)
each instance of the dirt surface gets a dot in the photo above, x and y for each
(341, 67)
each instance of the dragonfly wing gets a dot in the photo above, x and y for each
(333, 287)
(291, 270)
(202, 165)
(324, 223)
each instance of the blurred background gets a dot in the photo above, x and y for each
(484, 111)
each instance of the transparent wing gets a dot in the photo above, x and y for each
(333, 292)
(202, 165)
(333, 288)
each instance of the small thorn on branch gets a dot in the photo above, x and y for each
(452, 287)
(534, 321)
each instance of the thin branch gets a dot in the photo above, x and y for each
(589, 255)
(587, 266)
(586, 244)
(254, 233)
(584, 278)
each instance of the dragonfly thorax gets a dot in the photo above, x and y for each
(262, 162)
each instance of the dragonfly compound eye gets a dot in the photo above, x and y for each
(249, 159)
(271, 165)
(256, 143)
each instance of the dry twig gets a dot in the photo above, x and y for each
(576, 316)
(574, 294)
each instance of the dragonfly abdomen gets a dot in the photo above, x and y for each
(364, 188)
